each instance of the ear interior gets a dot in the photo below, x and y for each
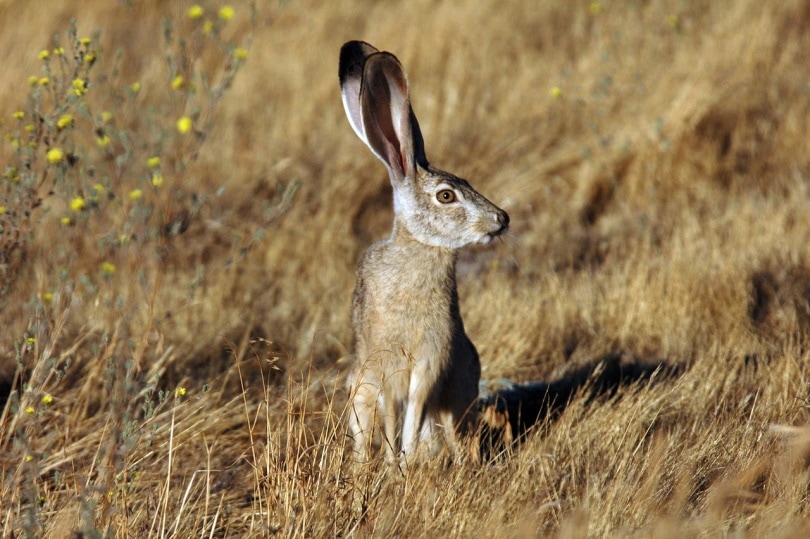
(386, 114)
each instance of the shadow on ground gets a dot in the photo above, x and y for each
(508, 411)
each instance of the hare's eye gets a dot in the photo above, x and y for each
(446, 196)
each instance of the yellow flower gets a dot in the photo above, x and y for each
(153, 162)
(55, 155)
(30, 410)
(79, 87)
(106, 116)
(47, 399)
(555, 91)
(184, 125)
(32, 80)
(85, 41)
(77, 204)
(180, 391)
(2, 210)
(135, 87)
(135, 194)
(103, 141)
(30, 340)
(98, 188)
(64, 121)
(89, 58)
(47, 297)
(240, 54)
(43, 54)
(226, 12)
(107, 268)
(195, 12)
(207, 27)
(29, 128)
(19, 115)
(28, 458)
(59, 51)
(177, 82)
(44, 81)
(157, 179)
(65, 221)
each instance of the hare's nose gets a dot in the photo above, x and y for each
(503, 219)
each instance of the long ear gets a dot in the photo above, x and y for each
(387, 116)
(353, 56)
(418, 142)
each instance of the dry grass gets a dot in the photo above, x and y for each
(660, 201)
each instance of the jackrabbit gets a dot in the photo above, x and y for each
(412, 354)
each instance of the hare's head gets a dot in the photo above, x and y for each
(434, 207)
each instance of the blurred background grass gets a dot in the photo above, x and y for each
(653, 157)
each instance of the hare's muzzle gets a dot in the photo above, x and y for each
(503, 220)
(500, 225)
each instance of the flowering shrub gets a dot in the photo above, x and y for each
(83, 148)
(92, 173)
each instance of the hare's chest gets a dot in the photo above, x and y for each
(408, 300)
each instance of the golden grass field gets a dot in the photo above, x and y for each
(173, 351)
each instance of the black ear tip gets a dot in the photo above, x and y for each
(353, 55)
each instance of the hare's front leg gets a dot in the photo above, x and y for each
(419, 391)
(389, 438)
(361, 418)
(414, 413)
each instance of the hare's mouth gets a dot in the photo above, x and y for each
(489, 236)
(503, 226)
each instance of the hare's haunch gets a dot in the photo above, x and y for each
(412, 354)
